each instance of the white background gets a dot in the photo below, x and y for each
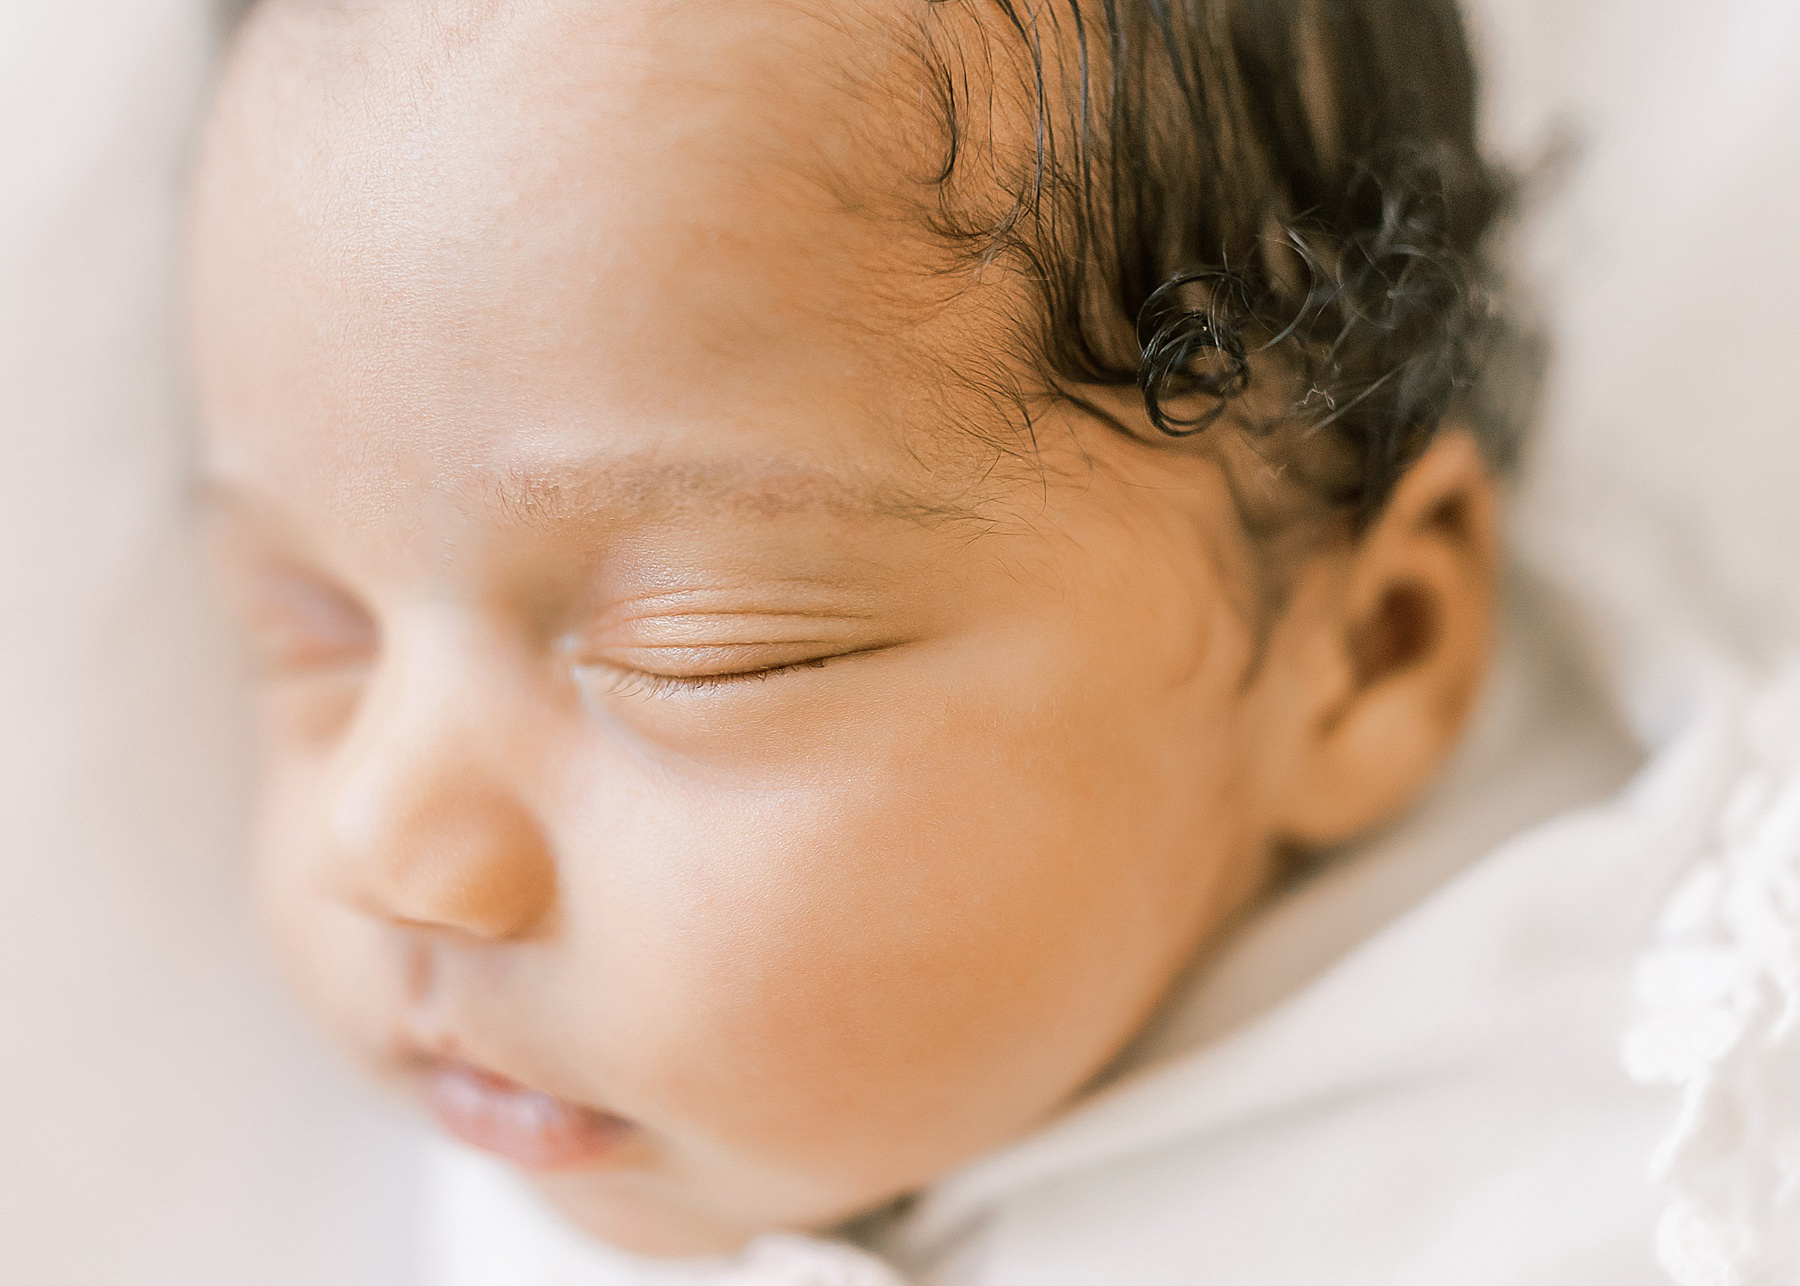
(162, 1119)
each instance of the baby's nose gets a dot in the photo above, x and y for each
(422, 831)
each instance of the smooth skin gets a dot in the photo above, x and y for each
(672, 698)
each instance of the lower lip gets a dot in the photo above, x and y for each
(529, 1129)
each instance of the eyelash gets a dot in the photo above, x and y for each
(627, 682)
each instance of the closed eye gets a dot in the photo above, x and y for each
(673, 670)
(297, 623)
(632, 682)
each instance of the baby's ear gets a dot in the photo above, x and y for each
(1382, 650)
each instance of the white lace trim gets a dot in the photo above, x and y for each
(1721, 991)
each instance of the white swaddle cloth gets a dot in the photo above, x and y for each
(1663, 497)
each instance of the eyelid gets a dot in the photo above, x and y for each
(300, 621)
(625, 682)
(727, 624)
(673, 669)
(689, 638)
(685, 662)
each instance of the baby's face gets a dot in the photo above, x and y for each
(695, 764)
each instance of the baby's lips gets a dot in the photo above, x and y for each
(528, 1128)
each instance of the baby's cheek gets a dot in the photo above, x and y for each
(907, 958)
(337, 961)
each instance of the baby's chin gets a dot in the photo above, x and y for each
(675, 1207)
(612, 1177)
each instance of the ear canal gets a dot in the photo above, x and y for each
(1400, 632)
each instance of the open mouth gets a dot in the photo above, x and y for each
(528, 1128)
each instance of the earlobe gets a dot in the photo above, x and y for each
(1403, 621)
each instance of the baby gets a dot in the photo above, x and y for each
(809, 560)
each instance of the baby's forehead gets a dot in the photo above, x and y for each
(731, 140)
(761, 80)
(415, 217)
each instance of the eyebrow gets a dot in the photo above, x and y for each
(646, 489)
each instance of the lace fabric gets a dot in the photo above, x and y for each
(1721, 994)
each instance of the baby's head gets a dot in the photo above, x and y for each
(807, 557)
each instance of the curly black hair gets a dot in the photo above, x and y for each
(1215, 190)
